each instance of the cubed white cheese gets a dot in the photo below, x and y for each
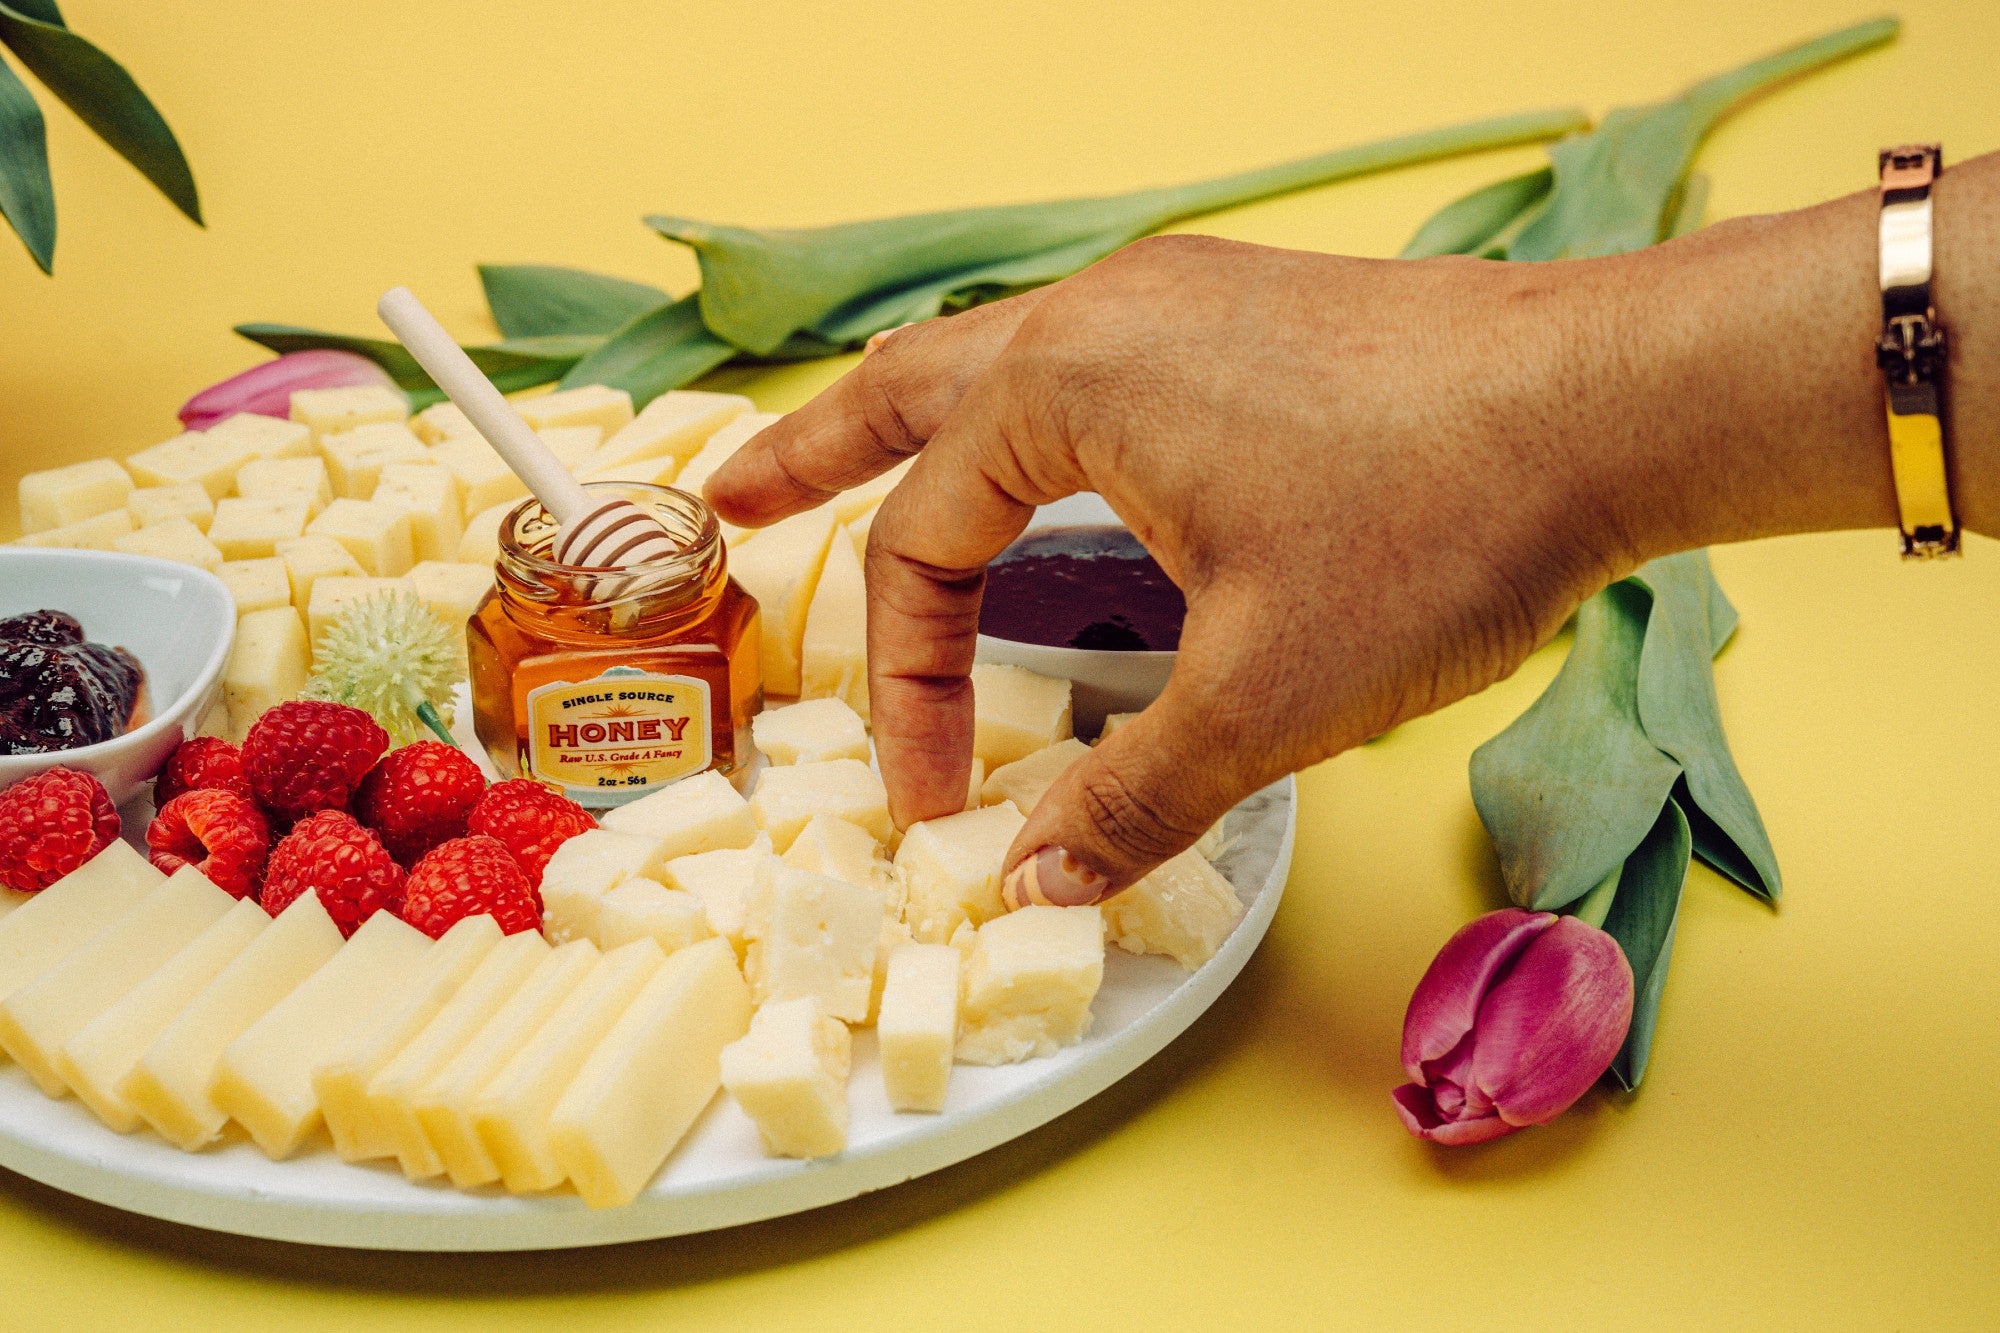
(789, 1074)
(174, 539)
(812, 935)
(643, 908)
(1016, 712)
(583, 870)
(918, 1025)
(250, 529)
(58, 496)
(809, 732)
(156, 504)
(951, 867)
(702, 813)
(1029, 984)
(788, 797)
(726, 882)
(1024, 780)
(1184, 909)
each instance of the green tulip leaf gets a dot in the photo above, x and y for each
(42, 11)
(512, 365)
(1466, 225)
(535, 300)
(1642, 919)
(104, 97)
(27, 195)
(659, 350)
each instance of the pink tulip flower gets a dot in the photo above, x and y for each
(1517, 1016)
(267, 389)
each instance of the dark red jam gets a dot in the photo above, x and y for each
(1082, 587)
(58, 691)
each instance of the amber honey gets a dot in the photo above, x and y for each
(611, 688)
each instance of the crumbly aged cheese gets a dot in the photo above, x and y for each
(725, 881)
(157, 504)
(268, 663)
(512, 1112)
(1028, 984)
(452, 591)
(789, 1074)
(645, 1082)
(355, 458)
(1016, 712)
(330, 411)
(287, 478)
(1185, 909)
(175, 539)
(787, 798)
(918, 1025)
(812, 935)
(810, 731)
(172, 1085)
(378, 536)
(251, 529)
(268, 437)
(45, 929)
(58, 496)
(721, 447)
(781, 570)
(1025, 780)
(833, 653)
(586, 405)
(210, 461)
(951, 869)
(429, 495)
(702, 813)
(647, 909)
(310, 559)
(264, 1078)
(97, 533)
(97, 1060)
(829, 846)
(42, 1014)
(583, 870)
(443, 1105)
(341, 1082)
(675, 425)
(441, 421)
(257, 585)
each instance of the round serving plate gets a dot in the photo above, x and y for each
(718, 1177)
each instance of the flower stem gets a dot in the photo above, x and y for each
(1594, 906)
(427, 713)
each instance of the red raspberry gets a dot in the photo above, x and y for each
(468, 876)
(345, 864)
(221, 834)
(50, 824)
(529, 820)
(309, 755)
(418, 797)
(197, 763)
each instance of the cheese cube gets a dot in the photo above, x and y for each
(1185, 909)
(812, 935)
(58, 496)
(268, 437)
(781, 570)
(1024, 780)
(833, 653)
(287, 478)
(192, 457)
(172, 1084)
(174, 539)
(330, 411)
(441, 421)
(341, 1082)
(264, 1078)
(675, 425)
(829, 846)
(721, 447)
(810, 731)
(355, 458)
(43, 931)
(451, 590)
(391, 1095)
(702, 813)
(726, 882)
(378, 536)
(587, 405)
(787, 798)
(331, 594)
(429, 495)
(97, 1060)
(1029, 984)
(245, 529)
(157, 504)
(583, 870)
(789, 1074)
(650, 1076)
(951, 869)
(257, 585)
(894, 936)
(648, 909)
(444, 1105)
(512, 1112)
(99, 533)
(484, 480)
(268, 663)
(918, 1025)
(37, 1018)
(309, 559)
(1016, 712)
(648, 471)
(480, 542)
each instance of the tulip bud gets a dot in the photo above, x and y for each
(1516, 1017)
(267, 389)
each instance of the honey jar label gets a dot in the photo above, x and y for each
(618, 736)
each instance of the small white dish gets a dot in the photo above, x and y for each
(176, 619)
(1103, 682)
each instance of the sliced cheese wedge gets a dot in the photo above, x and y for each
(781, 570)
(70, 911)
(833, 652)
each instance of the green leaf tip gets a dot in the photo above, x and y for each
(27, 194)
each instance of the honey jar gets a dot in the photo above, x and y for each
(608, 687)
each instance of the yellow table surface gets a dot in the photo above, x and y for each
(1815, 1144)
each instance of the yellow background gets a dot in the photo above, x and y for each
(1815, 1145)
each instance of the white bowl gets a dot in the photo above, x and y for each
(1102, 681)
(176, 619)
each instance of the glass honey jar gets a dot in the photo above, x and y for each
(611, 688)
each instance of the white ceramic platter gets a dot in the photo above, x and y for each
(718, 1177)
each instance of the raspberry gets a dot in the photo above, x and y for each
(201, 761)
(309, 755)
(466, 877)
(50, 824)
(418, 797)
(221, 834)
(345, 864)
(529, 820)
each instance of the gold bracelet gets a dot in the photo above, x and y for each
(1911, 353)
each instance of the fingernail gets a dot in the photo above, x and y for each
(1053, 878)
